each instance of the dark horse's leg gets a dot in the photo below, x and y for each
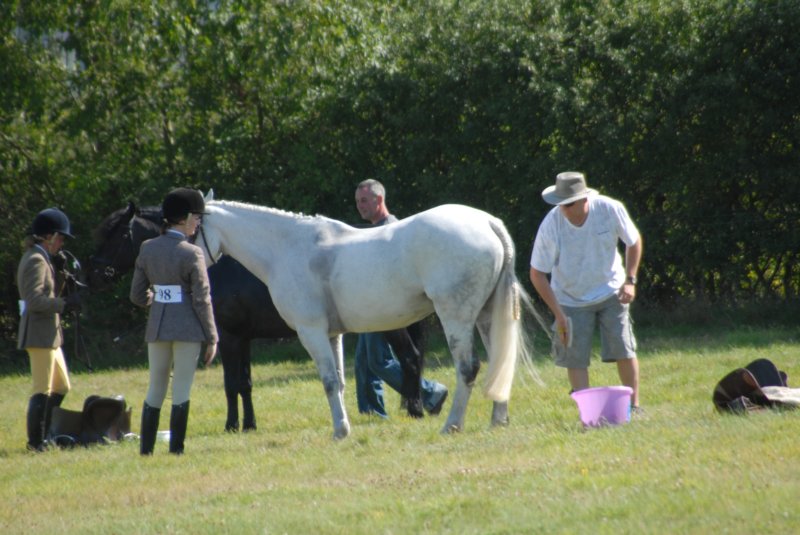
(246, 389)
(408, 346)
(235, 354)
(230, 371)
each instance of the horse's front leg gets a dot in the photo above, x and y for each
(338, 356)
(319, 346)
(411, 363)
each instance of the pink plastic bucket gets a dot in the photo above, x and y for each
(604, 405)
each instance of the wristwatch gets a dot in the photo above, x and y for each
(631, 279)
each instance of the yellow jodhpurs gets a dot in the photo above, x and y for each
(162, 357)
(49, 371)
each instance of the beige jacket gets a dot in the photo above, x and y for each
(40, 324)
(170, 260)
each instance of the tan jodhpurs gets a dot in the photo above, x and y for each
(49, 371)
(163, 357)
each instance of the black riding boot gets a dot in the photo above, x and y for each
(177, 427)
(36, 409)
(149, 429)
(54, 400)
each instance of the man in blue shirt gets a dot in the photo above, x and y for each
(375, 361)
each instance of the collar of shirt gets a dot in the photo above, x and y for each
(42, 249)
(46, 257)
(176, 233)
(388, 219)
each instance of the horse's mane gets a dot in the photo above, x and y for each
(150, 213)
(265, 209)
(112, 221)
(108, 224)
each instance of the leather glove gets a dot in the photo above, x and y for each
(59, 261)
(72, 303)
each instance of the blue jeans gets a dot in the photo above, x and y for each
(369, 387)
(375, 362)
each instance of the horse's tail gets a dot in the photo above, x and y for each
(505, 333)
(508, 340)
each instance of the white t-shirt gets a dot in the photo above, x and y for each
(584, 262)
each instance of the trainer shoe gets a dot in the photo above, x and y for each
(434, 402)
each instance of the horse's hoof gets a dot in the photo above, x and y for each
(451, 429)
(414, 409)
(232, 428)
(342, 432)
(503, 422)
(500, 414)
(250, 426)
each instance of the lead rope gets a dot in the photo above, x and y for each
(205, 243)
(71, 284)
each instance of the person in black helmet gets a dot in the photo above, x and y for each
(170, 277)
(40, 320)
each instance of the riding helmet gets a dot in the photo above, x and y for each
(50, 221)
(182, 201)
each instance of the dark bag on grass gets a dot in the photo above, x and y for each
(102, 420)
(757, 386)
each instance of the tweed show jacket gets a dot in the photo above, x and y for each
(40, 323)
(170, 260)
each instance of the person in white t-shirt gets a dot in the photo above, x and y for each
(588, 284)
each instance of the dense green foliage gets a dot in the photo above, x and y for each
(685, 110)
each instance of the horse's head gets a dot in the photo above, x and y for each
(70, 276)
(207, 236)
(117, 240)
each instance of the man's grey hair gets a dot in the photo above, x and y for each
(374, 186)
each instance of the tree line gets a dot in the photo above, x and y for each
(687, 111)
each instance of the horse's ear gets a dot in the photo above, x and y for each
(210, 195)
(131, 210)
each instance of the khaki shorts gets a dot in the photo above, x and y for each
(616, 334)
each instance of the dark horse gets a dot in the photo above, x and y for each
(70, 279)
(243, 311)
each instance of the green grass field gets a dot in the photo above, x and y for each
(681, 468)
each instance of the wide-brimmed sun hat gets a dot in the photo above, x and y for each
(570, 186)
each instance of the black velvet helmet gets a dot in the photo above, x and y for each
(49, 221)
(181, 202)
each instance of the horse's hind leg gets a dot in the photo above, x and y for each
(500, 414)
(499, 408)
(467, 365)
(229, 354)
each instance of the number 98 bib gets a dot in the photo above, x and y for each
(164, 293)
